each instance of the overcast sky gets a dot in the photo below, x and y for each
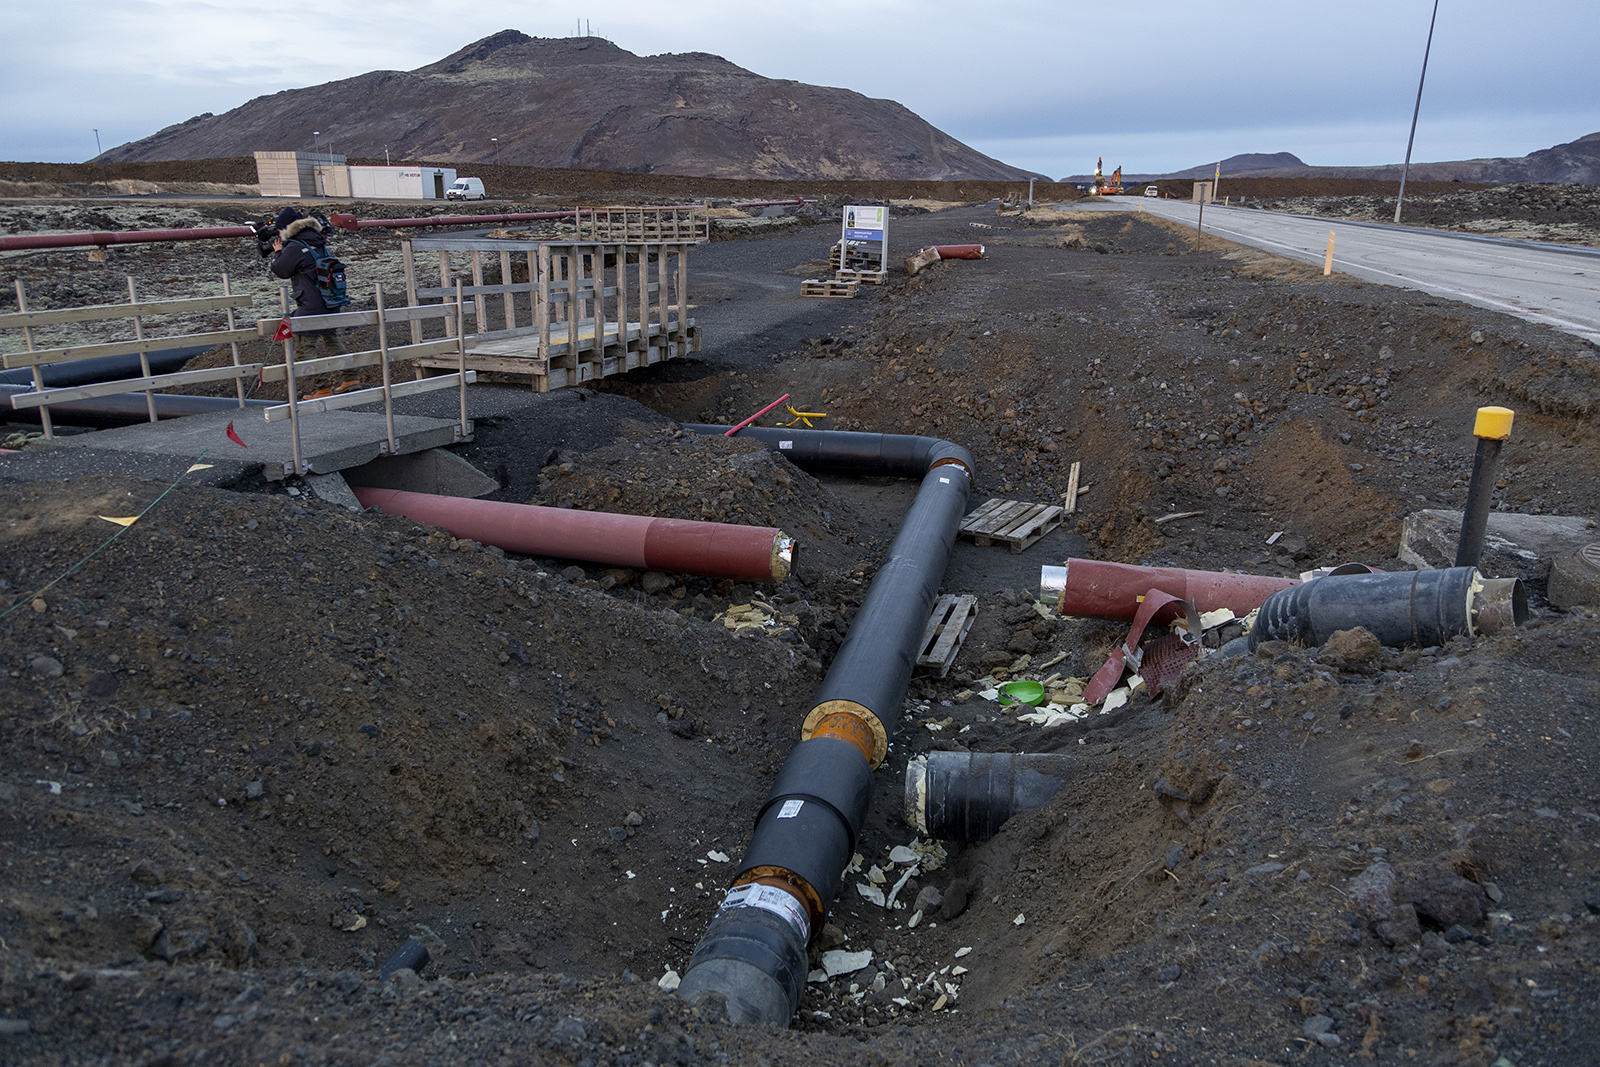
(1152, 85)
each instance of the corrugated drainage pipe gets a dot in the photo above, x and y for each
(679, 546)
(124, 409)
(753, 955)
(1095, 589)
(1417, 608)
(968, 796)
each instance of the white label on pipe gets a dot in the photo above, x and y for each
(785, 444)
(946, 481)
(790, 809)
(770, 898)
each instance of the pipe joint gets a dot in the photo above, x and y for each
(829, 712)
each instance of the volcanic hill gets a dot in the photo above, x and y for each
(583, 102)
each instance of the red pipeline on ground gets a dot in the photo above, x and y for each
(677, 546)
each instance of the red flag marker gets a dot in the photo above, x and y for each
(285, 330)
(235, 437)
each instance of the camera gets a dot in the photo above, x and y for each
(266, 233)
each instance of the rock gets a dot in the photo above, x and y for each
(1021, 641)
(1354, 650)
(1515, 545)
(655, 583)
(347, 982)
(1265, 868)
(165, 895)
(1457, 934)
(254, 790)
(1403, 929)
(110, 758)
(1317, 1024)
(929, 900)
(569, 1031)
(45, 666)
(573, 573)
(840, 962)
(1575, 578)
(1329, 1040)
(1372, 892)
(174, 945)
(1447, 900)
(832, 936)
(1170, 973)
(955, 900)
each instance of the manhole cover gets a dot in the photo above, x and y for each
(1590, 554)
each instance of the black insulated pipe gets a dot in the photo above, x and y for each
(103, 368)
(753, 955)
(968, 796)
(411, 955)
(849, 452)
(1418, 608)
(122, 409)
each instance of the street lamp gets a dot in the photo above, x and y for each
(316, 142)
(386, 155)
(496, 141)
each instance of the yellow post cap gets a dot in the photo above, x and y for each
(1493, 423)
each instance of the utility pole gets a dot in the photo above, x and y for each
(496, 141)
(1399, 201)
(97, 142)
(1030, 192)
(386, 155)
(316, 140)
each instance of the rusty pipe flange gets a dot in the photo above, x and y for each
(880, 736)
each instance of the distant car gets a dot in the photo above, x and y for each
(465, 189)
(1151, 190)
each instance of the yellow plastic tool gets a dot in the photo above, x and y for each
(803, 416)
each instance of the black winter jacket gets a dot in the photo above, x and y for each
(296, 262)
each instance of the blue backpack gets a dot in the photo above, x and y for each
(330, 276)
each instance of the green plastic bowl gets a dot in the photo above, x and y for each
(1023, 691)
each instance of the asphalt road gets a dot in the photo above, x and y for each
(1552, 284)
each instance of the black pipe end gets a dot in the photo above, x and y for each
(411, 954)
(754, 960)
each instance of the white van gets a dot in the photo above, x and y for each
(465, 189)
(1151, 190)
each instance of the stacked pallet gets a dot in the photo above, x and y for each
(828, 288)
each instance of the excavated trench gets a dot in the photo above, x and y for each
(303, 735)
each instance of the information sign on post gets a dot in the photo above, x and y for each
(865, 226)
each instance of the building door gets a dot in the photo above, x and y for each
(438, 185)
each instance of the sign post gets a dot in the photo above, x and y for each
(864, 226)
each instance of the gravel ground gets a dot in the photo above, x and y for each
(258, 741)
(1566, 214)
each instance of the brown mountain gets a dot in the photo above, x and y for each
(1576, 161)
(584, 102)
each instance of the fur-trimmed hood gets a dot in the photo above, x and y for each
(300, 226)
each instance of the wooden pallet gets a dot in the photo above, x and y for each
(1016, 522)
(947, 628)
(830, 288)
(864, 277)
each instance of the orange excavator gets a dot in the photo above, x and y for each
(1104, 186)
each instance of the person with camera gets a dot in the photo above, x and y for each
(297, 246)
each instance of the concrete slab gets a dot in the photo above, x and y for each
(1515, 545)
(334, 489)
(329, 442)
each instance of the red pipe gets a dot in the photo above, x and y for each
(1112, 590)
(771, 203)
(756, 416)
(959, 251)
(120, 237)
(678, 546)
(346, 221)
